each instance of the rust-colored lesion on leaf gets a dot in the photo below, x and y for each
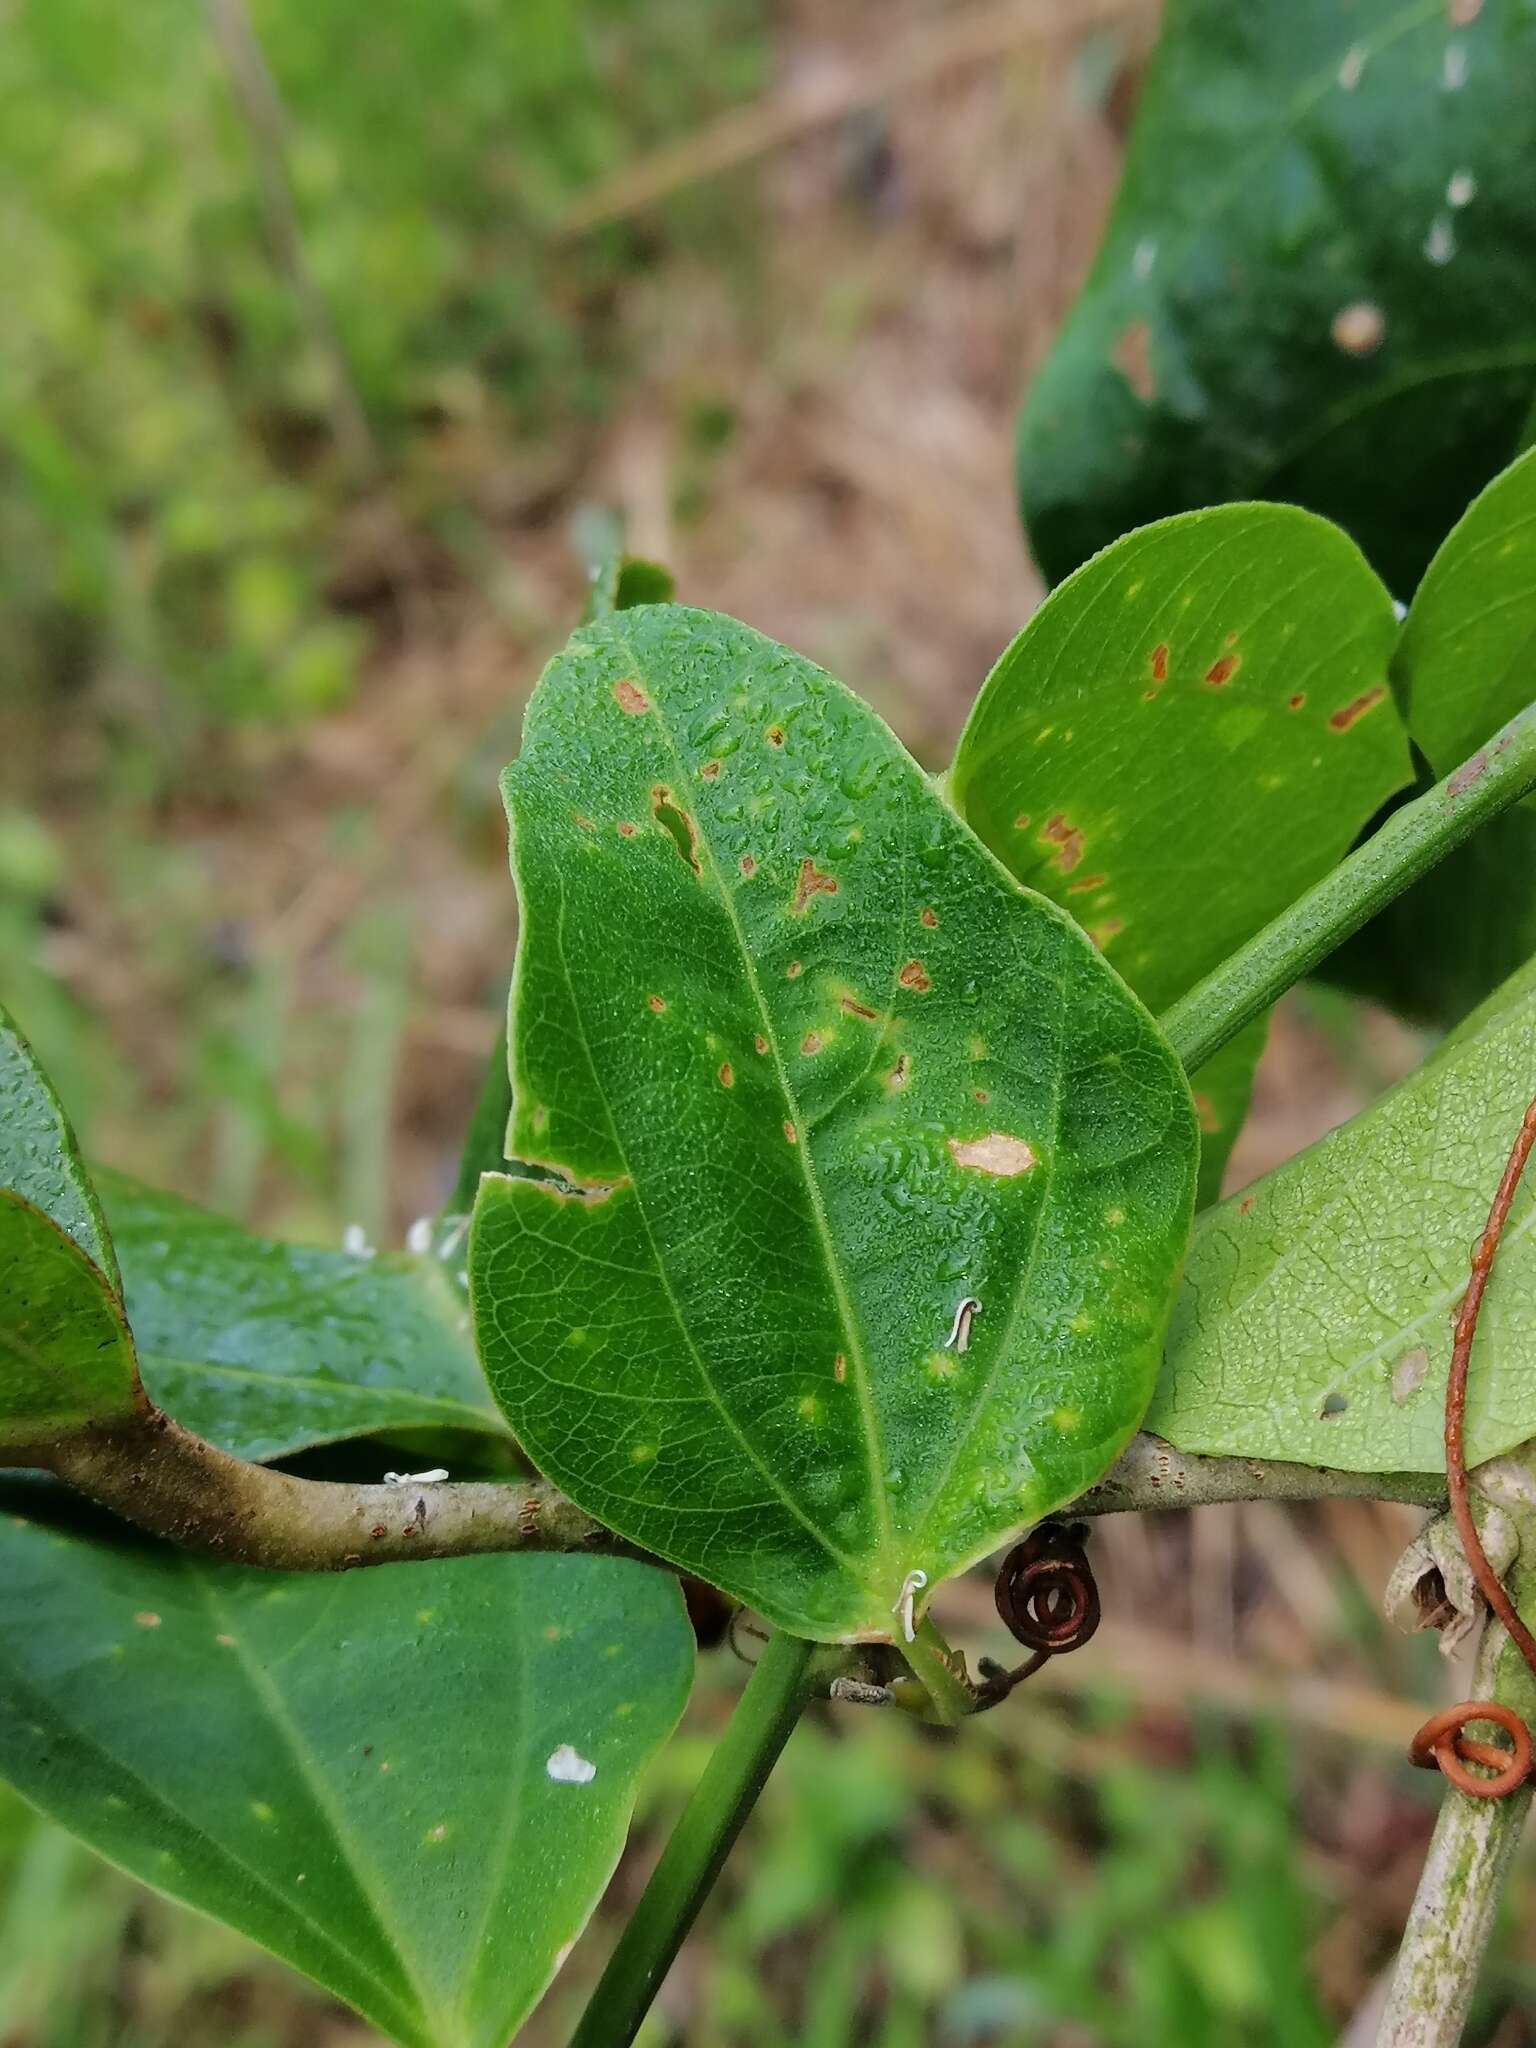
(852, 1007)
(1160, 662)
(1222, 670)
(1295, 703)
(760, 1042)
(747, 865)
(625, 829)
(811, 1043)
(1107, 929)
(812, 882)
(1132, 357)
(657, 1003)
(1347, 714)
(775, 735)
(676, 823)
(629, 696)
(1066, 839)
(998, 1153)
(1088, 882)
(710, 771)
(1206, 1111)
(726, 1075)
(928, 917)
(914, 975)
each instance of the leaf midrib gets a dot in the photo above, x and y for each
(853, 1333)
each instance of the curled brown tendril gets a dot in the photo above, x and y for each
(1441, 1740)
(1048, 1600)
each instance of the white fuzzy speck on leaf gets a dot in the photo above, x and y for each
(568, 1767)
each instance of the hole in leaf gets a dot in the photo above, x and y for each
(677, 825)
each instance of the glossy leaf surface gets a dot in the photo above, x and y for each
(39, 1159)
(1315, 285)
(411, 1783)
(1467, 660)
(267, 1348)
(66, 1359)
(1189, 733)
(1316, 1315)
(812, 1074)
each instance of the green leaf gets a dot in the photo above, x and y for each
(812, 1073)
(1315, 284)
(39, 1158)
(1314, 1323)
(66, 1359)
(377, 1775)
(1188, 734)
(267, 1348)
(1466, 662)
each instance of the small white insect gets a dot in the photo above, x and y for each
(354, 1239)
(959, 1338)
(432, 1478)
(568, 1767)
(911, 1586)
(419, 1237)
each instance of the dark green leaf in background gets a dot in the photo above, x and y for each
(815, 1075)
(1315, 1319)
(1316, 284)
(267, 1348)
(1188, 733)
(412, 1784)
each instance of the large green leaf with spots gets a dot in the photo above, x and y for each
(1188, 734)
(1315, 1319)
(410, 1783)
(1316, 283)
(807, 1074)
(268, 1348)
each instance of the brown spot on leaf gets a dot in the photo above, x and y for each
(1088, 882)
(626, 830)
(657, 1003)
(585, 823)
(790, 1132)
(1107, 929)
(997, 1153)
(710, 770)
(1132, 357)
(857, 1009)
(1409, 1373)
(1021, 822)
(760, 1042)
(1359, 328)
(1346, 715)
(914, 976)
(792, 971)
(629, 697)
(1223, 670)
(1160, 662)
(726, 1077)
(147, 1620)
(811, 1043)
(1298, 700)
(1205, 1110)
(747, 865)
(980, 1095)
(1245, 1205)
(901, 1073)
(676, 823)
(812, 882)
(928, 917)
(840, 1368)
(775, 735)
(1067, 840)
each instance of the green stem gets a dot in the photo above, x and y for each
(1408, 845)
(938, 1668)
(775, 1697)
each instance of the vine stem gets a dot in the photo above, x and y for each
(783, 1680)
(1407, 846)
(1456, 1905)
